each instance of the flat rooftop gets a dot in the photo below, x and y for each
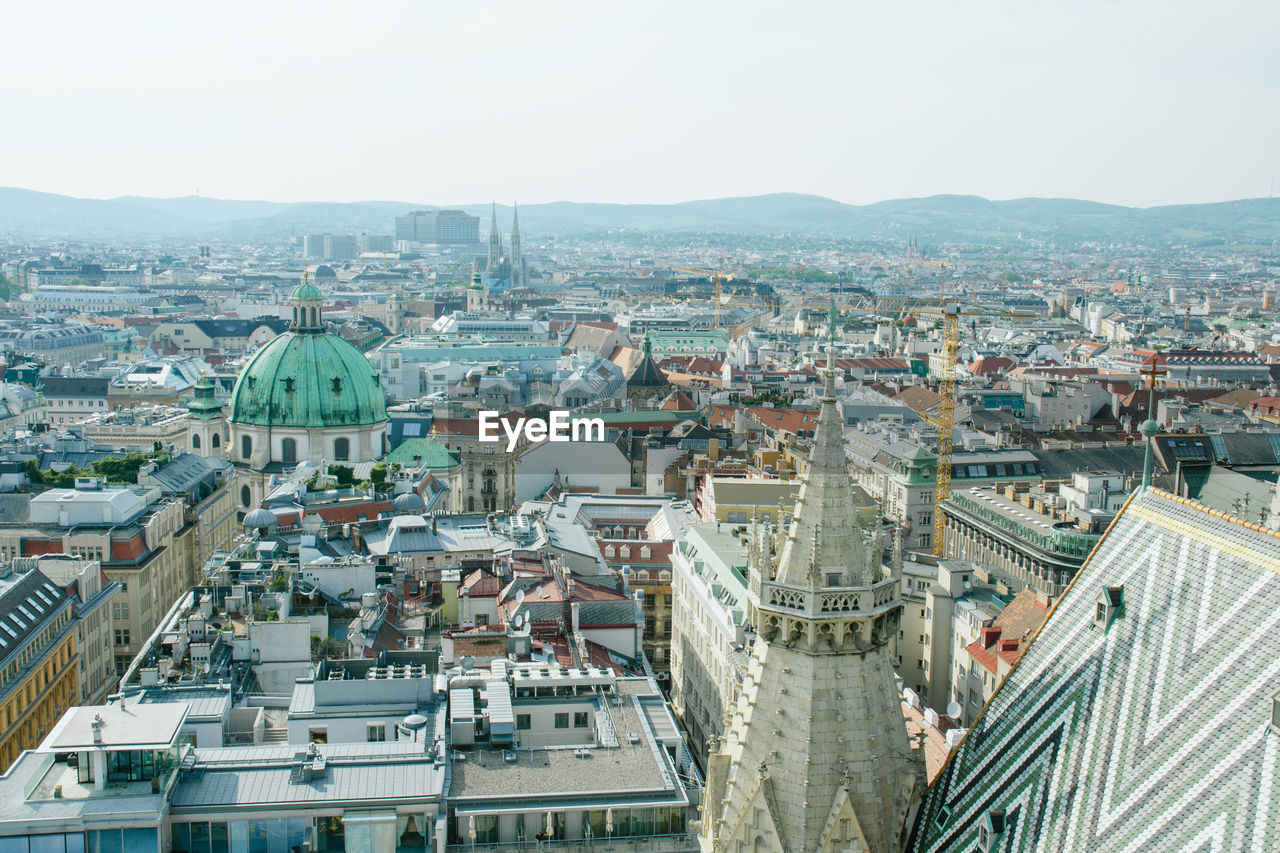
(627, 771)
(134, 726)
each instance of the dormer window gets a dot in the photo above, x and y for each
(1108, 606)
(990, 830)
(337, 385)
(288, 384)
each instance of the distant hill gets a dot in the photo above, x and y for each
(936, 219)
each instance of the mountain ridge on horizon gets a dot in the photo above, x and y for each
(943, 218)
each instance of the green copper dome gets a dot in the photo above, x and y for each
(308, 378)
(306, 290)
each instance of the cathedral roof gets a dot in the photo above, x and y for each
(1139, 716)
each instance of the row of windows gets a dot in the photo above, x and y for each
(289, 448)
(581, 720)
(35, 647)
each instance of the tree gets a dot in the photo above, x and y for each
(121, 469)
(326, 647)
(8, 287)
(343, 474)
(378, 474)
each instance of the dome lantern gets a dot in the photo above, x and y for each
(306, 300)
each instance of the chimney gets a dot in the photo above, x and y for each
(97, 725)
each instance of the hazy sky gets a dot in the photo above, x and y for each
(463, 101)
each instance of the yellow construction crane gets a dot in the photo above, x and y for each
(717, 279)
(947, 310)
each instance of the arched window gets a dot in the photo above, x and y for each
(245, 496)
(217, 441)
(246, 446)
(288, 450)
(315, 319)
(342, 449)
(195, 442)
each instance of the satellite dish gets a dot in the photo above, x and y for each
(466, 662)
(953, 710)
(519, 597)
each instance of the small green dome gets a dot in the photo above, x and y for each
(308, 379)
(306, 290)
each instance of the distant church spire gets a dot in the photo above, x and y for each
(517, 259)
(493, 268)
(816, 755)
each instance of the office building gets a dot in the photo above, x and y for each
(438, 227)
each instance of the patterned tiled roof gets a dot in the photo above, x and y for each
(1149, 730)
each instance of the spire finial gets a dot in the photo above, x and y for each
(1150, 426)
(829, 375)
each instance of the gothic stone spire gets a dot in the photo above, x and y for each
(816, 756)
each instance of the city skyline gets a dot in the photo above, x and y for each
(1098, 101)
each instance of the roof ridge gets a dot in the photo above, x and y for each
(1217, 513)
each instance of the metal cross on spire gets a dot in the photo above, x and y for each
(1150, 426)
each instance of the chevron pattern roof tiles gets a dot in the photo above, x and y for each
(1150, 734)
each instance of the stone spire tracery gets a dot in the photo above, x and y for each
(816, 755)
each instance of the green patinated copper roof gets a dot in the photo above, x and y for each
(306, 291)
(424, 453)
(920, 454)
(308, 379)
(204, 404)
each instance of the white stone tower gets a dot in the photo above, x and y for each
(815, 755)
